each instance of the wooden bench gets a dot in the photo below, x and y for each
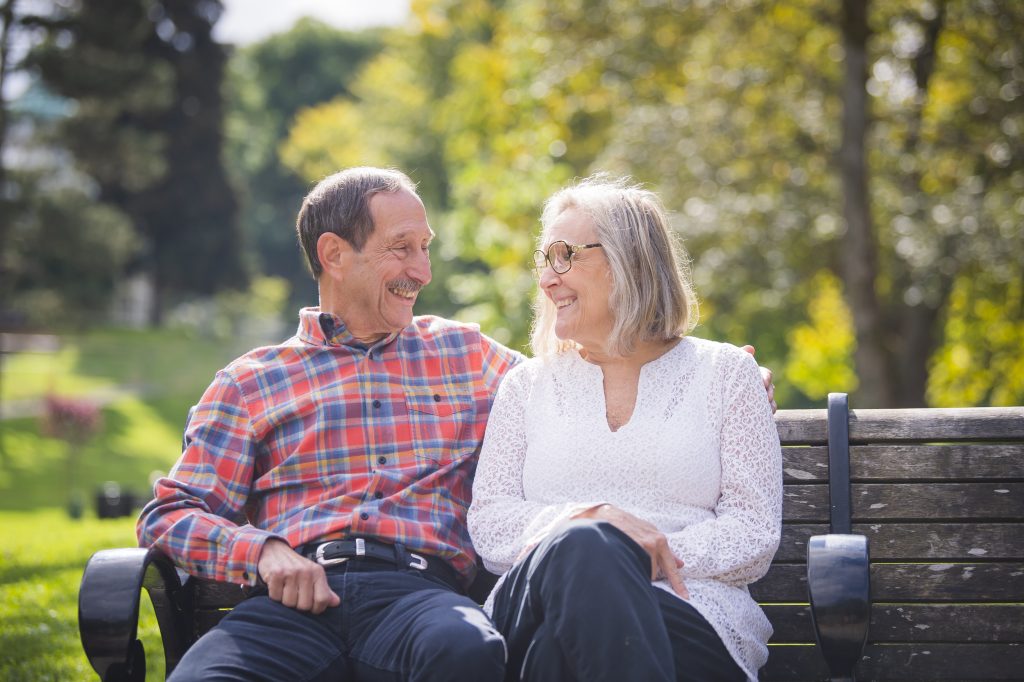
(939, 494)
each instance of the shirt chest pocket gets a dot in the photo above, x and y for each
(442, 423)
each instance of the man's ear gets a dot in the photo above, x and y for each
(335, 254)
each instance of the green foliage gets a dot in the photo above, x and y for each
(146, 129)
(821, 354)
(981, 362)
(492, 106)
(64, 256)
(269, 83)
(39, 577)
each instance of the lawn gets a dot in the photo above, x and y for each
(144, 382)
(41, 565)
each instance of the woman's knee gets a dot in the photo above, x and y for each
(587, 542)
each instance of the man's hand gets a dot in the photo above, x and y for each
(663, 562)
(294, 580)
(766, 377)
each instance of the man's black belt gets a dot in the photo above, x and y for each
(336, 552)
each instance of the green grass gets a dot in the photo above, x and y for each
(164, 371)
(44, 552)
(157, 361)
(41, 563)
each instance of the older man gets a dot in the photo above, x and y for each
(335, 469)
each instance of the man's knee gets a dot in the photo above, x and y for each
(465, 648)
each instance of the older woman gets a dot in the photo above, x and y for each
(630, 482)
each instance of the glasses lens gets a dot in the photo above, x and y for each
(559, 254)
(539, 261)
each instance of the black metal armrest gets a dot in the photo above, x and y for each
(839, 583)
(108, 611)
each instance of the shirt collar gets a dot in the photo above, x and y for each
(326, 329)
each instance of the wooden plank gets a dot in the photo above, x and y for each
(935, 424)
(941, 582)
(206, 619)
(805, 464)
(975, 461)
(926, 541)
(936, 623)
(782, 583)
(801, 427)
(211, 594)
(793, 663)
(805, 502)
(792, 623)
(977, 623)
(793, 545)
(935, 661)
(917, 541)
(952, 501)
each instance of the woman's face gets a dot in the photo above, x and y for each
(581, 295)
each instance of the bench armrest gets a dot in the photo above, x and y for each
(108, 611)
(839, 585)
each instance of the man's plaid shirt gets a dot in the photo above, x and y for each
(323, 437)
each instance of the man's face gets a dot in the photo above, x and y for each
(383, 281)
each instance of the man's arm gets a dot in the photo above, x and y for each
(197, 516)
(766, 377)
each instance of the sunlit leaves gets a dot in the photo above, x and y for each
(981, 362)
(821, 350)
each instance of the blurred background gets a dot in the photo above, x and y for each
(847, 175)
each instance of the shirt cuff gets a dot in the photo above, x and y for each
(244, 555)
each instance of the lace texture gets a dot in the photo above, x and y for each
(699, 458)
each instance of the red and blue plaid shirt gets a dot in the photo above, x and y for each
(324, 437)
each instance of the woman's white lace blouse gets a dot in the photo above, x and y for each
(699, 458)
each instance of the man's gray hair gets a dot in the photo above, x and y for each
(652, 294)
(340, 203)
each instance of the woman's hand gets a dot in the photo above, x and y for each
(663, 562)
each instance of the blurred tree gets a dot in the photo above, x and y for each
(269, 83)
(880, 142)
(146, 76)
(747, 142)
(65, 255)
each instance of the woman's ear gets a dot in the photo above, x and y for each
(334, 254)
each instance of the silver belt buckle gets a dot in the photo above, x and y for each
(418, 562)
(328, 562)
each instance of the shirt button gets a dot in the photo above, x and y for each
(376, 403)
(437, 398)
(364, 516)
(378, 494)
(382, 460)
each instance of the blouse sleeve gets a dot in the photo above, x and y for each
(502, 523)
(737, 545)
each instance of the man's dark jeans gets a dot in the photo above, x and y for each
(392, 624)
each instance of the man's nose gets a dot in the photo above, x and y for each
(419, 269)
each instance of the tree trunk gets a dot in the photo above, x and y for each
(7, 17)
(858, 266)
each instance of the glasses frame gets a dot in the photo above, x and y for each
(571, 250)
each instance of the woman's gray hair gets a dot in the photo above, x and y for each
(652, 294)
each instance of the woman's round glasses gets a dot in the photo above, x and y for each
(559, 256)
